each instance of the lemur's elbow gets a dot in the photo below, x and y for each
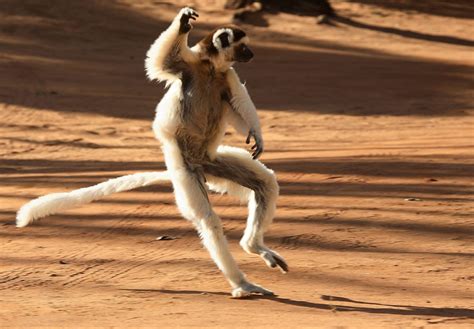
(151, 72)
(156, 72)
(156, 57)
(151, 67)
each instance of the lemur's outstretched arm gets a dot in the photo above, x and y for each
(243, 116)
(169, 54)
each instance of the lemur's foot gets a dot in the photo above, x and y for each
(273, 259)
(185, 15)
(247, 289)
(270, 257)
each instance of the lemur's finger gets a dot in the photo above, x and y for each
(254, 147)
(247, 141)
(189, 13)
(192, 12)
(257, 153)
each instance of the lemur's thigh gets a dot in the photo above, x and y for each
(189, 189)
(191, 195)
(234, 171)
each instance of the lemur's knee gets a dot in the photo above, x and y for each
(272, 184)
(267, 188)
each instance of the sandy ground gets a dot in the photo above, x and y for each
(368, 125)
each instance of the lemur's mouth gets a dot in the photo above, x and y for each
(245, 60)
(243, 54)
(245, 57)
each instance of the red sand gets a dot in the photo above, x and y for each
(359, 119)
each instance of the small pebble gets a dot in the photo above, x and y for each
(165, 237)
(322, 19)
(412, 199)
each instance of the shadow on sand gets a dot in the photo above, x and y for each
(383, 309)
(87, 56)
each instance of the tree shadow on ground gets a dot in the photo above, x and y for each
(58, 173)
(449, 8)
(88, 56)
(364, 166)
(405, 33)
(119, 226)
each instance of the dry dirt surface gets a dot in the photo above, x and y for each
(368, 124)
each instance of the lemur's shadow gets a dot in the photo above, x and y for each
(383, 309)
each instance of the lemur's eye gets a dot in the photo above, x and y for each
(242, 47)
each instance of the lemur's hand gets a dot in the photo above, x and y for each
(185, 15)
(258, 146)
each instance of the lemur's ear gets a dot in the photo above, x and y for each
(222, 38)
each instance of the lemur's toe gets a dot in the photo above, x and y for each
(282, 264)
(268, 259)
(247, 289)
(272, 259)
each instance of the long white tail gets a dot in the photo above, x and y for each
(56, 202)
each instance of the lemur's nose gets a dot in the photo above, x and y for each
(250, 54)
(247, 54)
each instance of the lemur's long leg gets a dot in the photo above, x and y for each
(192, 200)
(169, 55)
(234, 171)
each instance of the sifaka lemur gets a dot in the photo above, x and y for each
(204, 95)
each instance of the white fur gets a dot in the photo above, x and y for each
(56, 202)
(247, 118)
(190, 192)
(215, 38)
(162, 46)
(242, 103)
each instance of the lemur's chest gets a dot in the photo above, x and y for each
(203, 98)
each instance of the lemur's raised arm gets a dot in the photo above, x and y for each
(169, 54)
(243, 116)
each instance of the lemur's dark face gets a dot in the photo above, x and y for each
(242, 53)
(227, 45)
